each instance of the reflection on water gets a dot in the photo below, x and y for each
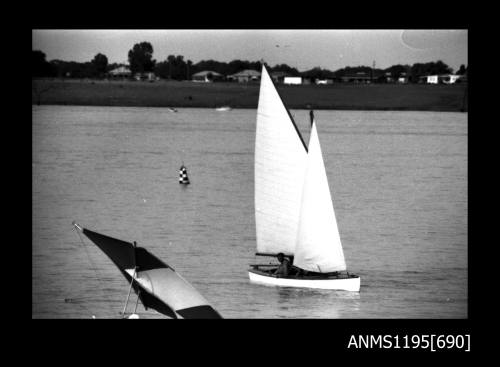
(398, 182)
(286, 293)
(316, 302)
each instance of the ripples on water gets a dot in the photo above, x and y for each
(398, 182)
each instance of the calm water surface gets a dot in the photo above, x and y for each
(398, 183)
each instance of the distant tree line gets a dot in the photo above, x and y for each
(140, 59)
(412, 72)
(96, 68)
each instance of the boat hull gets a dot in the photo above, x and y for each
(351, 284)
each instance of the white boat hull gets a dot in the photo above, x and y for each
(346, 284)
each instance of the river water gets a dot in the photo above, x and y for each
(398, 182)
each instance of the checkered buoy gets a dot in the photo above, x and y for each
(183, 176)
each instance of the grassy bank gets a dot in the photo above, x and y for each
(418, 97)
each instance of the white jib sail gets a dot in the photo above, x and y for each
(280, 159)
(318, 246)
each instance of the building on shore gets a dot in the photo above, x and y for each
(448, 78)
(245, 76)
(388, 77)
(293, 80)
(120, 72)
(308, 80)
(403, 78)
(429, 79)
(206, 76)
(439, 79)
(361, 77)
(148, 76)
(324, 81)
(279, 76)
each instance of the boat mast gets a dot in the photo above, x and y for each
(137, 301)
(131, 283)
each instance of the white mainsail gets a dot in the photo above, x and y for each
(280, 161)
(318, 246)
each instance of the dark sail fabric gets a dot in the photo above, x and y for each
(120, 252)
(124, 257)
(145, 260)
(150, 301)
(199, 312)
(158, 286)
(123, 254)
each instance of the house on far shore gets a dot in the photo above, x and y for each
(279, 76)
(308, 80)
(449, 78)
(324, 81)
(389, 77)
(245, 76)
(360, 77)
(428, 79)
(293, 80)
(120, 72)
(439, 79)
(206, 76)
(403, 78)
(148, 76)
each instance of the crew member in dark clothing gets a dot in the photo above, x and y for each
(284, 267)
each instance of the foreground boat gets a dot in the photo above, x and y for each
(157, 285)
(293, 208)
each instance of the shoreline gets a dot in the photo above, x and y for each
(253, 108)
(185, 94)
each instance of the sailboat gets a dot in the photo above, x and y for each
(183, 176)
(157, 285)
(294, 212)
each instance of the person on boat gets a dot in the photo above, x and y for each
(284, 266)
(293, 270)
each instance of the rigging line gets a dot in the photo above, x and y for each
(129, 289)
(94, 268)
(71, 299)
(137, 301)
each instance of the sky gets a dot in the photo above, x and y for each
(302, 49)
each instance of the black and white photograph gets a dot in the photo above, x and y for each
(250, 174)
